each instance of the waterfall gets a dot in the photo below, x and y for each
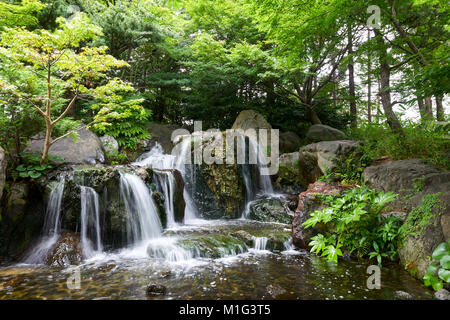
(142, 216)
(90, 222)
(52, 226)
(260, 243)
(166, 182)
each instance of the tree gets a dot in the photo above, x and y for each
(12, 15)
(62, 62)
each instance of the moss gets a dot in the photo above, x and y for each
(213, 246)
(288, 175)
(422, 215)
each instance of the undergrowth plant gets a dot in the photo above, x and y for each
(438, 271)
(31, 167)
(355, 222)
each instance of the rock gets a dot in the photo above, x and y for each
(22, 218)
(308, 203)
(402, 295)
(110, 145)
(217, 188)
(3, 165)
(88, 149)
(162, 134)
(244, 236)
(179, 204)
(158, 197)
(320, 132)
(289, 142)
(67, 251)
(289, 180)
(442, 294)
(315, 158)
(250, 119)
(270, 210)
(413, 180)
(155, 290)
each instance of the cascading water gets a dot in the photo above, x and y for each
(90, 222)
(166, 182)
(260, 243)
(142, 216)
(52, 226)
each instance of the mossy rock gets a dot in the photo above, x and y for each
(213, 246)
(270, 210)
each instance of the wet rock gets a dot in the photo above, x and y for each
(67, 251)
(274, 291)
(442, 294)
(3, 165)
(308, 203)
(110, 145)
(289, 179)
(402, 295)
(159, 201)
(23, 214)
(179, 204)
(320, 132)
(244, 236)
(87, 149)
(413, 180)
(212, 245)
(289, 142)
(315, 158)
(270, 210)
(155, 290)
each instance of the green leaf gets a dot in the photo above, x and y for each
(21, 168)
(440, 251)
(444, 275)
(34, 174)
(23, 174)
(432, 268)
(445, 262)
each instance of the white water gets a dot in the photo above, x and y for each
(142, 216)
(52, 226)
(166, 181)
(90, 222)
(260, 243)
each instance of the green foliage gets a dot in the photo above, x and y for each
(355, 223)
(426, 141)
(421, 215)
(438, 272)
(31, 167)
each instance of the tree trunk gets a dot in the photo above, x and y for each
(312, 115)
(421, 108)
(351, 79)
(385, 93)
(440, 113)
(429, 108)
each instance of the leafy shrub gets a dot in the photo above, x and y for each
(31, 166)
(356, 224)
(439, 270)
(426, 141)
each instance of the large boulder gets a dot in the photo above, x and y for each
(289, 142)
(22, 218)
(270, 210)
(88, 149)
(308, 203)
(217, 189)
(161, 134)
(429, 222)
(321, 132)
(316, 158)
(288, 179)
(110, 145)
(250, 119)
(2, 170)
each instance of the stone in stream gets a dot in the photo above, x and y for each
(402, 295)
(442, 294)
(156, 290)
(67, 251)
(270, 210)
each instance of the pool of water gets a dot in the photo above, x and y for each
(253, 274)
